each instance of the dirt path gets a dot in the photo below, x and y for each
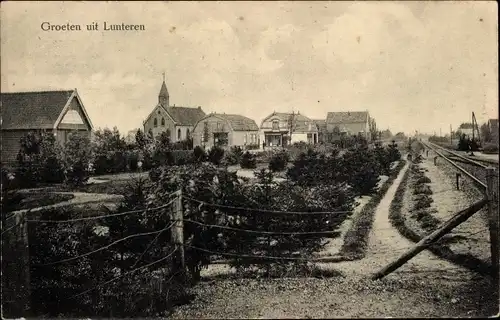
(80, 198)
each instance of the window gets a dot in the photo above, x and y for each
(162, 122)
(155, 123)
(179, 134)
(188, 133)
(276, 125)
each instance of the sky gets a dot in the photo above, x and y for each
(413, 65)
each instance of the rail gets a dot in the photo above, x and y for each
(465, 172)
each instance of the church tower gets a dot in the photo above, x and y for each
(163, 97)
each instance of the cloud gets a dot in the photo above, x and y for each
(413, 65)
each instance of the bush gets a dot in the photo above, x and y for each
(78, 154)
(423, 180)
(363, 169)
(182, 157)
(234, 155)
(490, 148)
(422, 189)
(39, 160)
(279, 161)
(215, 155)
(248, 161)
(199, 154)
(422, 203)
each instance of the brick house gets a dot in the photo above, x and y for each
(282, 129)
(177, 121)
(59, 112)
(348, 123)
(226, 130)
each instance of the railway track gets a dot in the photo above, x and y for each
(474, 169)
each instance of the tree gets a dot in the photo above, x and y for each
(485, 133)
(373, 129)
(140, 139)
(78, 155)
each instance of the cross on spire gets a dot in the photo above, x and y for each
(163, 73)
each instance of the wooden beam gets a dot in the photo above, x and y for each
(430, 239)
(493, 220)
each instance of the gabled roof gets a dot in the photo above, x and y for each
(185, 116)
(301, 123)
(36, 110)
(321, 124)
(347, 117)
(236, 121)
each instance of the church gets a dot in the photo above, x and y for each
(177, 121)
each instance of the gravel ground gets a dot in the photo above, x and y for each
(448, 200)
(424, 287)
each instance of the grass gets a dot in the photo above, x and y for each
(398, 220)
(356, 238)
(40, 199)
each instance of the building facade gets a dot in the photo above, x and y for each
(226, 130)
(493, 126)
(282, 129)
(350, 123)
(59, 112)
(177, 121)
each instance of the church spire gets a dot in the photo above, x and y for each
(163, 97)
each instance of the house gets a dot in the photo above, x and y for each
(177, 121)
(322, 132)
(226, 130)
(59, 112)
(493, 126)
(348, 123)
(281, 129)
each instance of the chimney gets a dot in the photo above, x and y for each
(199, 107)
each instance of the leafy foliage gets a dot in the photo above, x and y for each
(78, 155)
(248, 161)
(199, 154)
(279, 161)
(215, 155)
(234, 155)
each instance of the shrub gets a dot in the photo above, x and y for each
(234, 155)
(423, 180)
(422, 203)
(182, 157)
(248, 161)
(199, 154)
(393, 152)
(422, 189)
(279, 161)
(78, 154)
(39, 160)
(215, 155)
(363, 170)
(490, 148)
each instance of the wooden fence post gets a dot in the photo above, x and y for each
(435, 160)
(16, 270)
(493, 220)
(178, 233)
(430, 239)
